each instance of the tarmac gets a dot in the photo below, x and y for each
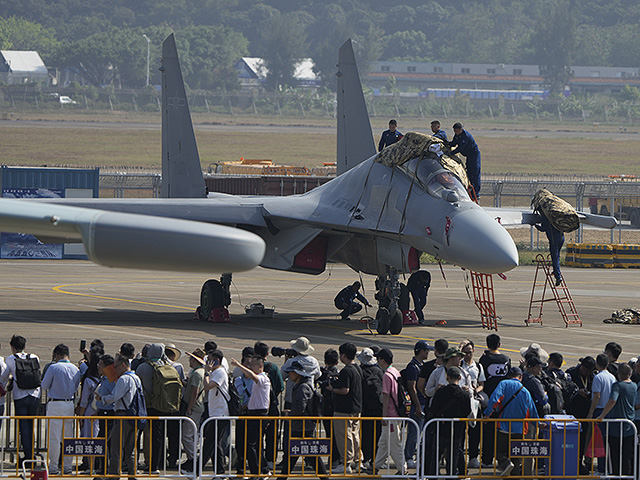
(51, 302)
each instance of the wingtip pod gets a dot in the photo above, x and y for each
(153, 243)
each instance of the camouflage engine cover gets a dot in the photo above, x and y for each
(414, 145)
(559, 212)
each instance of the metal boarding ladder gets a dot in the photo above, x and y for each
(561, 295)
(484, 299)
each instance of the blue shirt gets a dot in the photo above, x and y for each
(555, 236)
(388, 138)
(61, 380)
(441, 134)
(467, 146)
(624, 394)
(521, 406)
(123, 393)
(105, 388)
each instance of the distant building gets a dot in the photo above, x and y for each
(18, 66)
(252, 73)
(486, 76)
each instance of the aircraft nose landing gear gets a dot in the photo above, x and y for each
(388, 316)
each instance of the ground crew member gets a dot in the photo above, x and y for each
(418, 285)
(389, 137)
(438, 132)
(468, 147)
(556, 240)
(345, 300)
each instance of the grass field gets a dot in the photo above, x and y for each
(139, 146)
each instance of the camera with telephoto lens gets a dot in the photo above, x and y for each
(279, 351)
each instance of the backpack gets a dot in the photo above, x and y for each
(28, 375)
(137, 408)
(167, 389)
(403, 400)
(233, 402)
(315, 405)
(554, 392)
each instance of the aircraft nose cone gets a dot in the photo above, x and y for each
(477, 242)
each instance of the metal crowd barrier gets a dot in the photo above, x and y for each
(553, 447)
(116, 436)
(299, 447)
(310, 441)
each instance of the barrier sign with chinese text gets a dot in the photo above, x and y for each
(309, 446)
(530, 448)
(84, 446)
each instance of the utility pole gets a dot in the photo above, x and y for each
(148, 51)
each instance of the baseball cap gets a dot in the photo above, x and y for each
(386, 355)
(534, 361)
(514, 372)
(422, 345)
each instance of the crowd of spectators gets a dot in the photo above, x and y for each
(453, 384)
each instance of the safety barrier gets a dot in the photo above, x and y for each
(117, 441)
(553, 447)
(557, 446)
(316, 440)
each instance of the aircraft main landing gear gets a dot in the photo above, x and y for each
(215, 295)
(388, 316)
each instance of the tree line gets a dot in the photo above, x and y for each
(103, 39)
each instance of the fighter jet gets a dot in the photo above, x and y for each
(376, 216)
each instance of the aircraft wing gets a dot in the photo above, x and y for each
(126, 240)
(514, 217)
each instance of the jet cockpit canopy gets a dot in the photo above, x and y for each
(422, 157)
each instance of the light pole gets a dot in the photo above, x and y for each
(148, 49)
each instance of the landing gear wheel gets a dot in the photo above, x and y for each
(634, 219)
(211, 296)
(395, 325)
(383, 317)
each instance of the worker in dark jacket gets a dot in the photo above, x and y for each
(556, 240)
(346, 300)
(389, 137)
(468, 147)
(418, 285)
(438, 132)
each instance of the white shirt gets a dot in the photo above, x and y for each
(259, 399)
(475, 371)
(17, 392)
(219, 395)
(439, 377)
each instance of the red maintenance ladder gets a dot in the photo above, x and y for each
(561, 295)
(484, 299)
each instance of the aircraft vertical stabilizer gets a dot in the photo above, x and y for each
(181, 170)
(355, 140)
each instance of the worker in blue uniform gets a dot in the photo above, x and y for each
(346, 300)
(391, 136)
(556, 240)
(438, 132)
(418, 285)
(468, 147)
